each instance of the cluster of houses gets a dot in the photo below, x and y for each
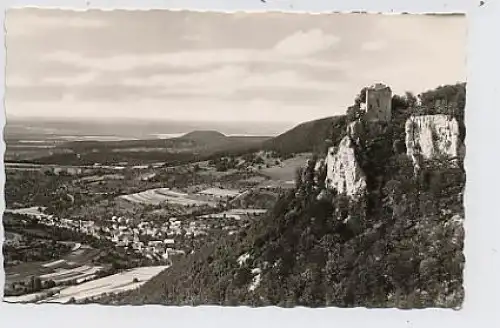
(151, 239)
(154, 240)
(123, 233)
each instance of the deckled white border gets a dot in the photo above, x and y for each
(483, 181)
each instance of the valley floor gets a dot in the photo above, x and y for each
(75, 233)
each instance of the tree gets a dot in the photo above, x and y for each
(393, 190)
(410, 98)
(398, 147)
(36, 284)
(243, 277)
(298, 177)
(399, 103)
(447, 94)
(361, 97)
(221, 166)
(50, 283)
(354, 113)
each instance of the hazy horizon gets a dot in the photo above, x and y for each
(219, 67)
(137, 119)
(139, 128)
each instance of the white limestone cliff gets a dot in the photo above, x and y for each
(429, 136)
(344, 174)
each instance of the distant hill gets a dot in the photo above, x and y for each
(219, 142)
(195, 145)
(207, 137)
(308, 136)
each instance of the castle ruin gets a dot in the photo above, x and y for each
(378, 103)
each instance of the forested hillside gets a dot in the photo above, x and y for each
(309, 136)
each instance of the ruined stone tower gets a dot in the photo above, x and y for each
(378, 103)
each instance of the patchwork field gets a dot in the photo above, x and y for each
(95, 178)
(217, 192)
(73, 266)
(120, 282)
(236, 214)
(79, 274)
(127, 280)
(28, 298)
(162, 195)
(30, 211)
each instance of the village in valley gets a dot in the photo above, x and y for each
(134, 219)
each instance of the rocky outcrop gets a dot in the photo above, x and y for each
(320, 171)
(427, 137)
(344, 175)
(355, 130)
(431, 136)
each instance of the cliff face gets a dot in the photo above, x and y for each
(429, 136)
(344, 175)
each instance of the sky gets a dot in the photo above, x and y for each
(207, 66)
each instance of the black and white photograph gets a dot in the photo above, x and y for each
(188, 158)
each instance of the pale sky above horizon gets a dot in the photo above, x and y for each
(183, 65)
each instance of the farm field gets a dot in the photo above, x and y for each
(73, 266)
(236, 214)
(79, 274)
(162, 195)
(95, 178)
(120, 282)
(286, 170)
(30, 211)
(111, 284)
(27, 298)
(220, 192)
